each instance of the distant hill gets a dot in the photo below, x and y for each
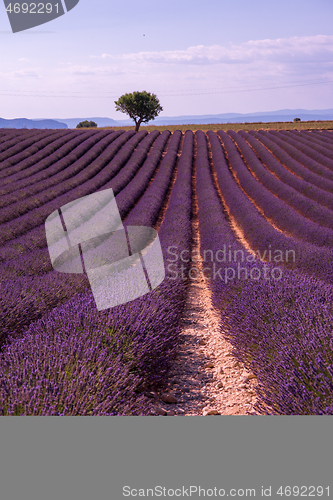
(26, 123)
(282, 115)
(101, 122)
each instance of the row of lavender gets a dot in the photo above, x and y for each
(308, 254)
(78, 361)
(297, 163)
(7, 135)
(106, 167)
(30, 287)
(315, 140)
(35, 168)
(23, 149)
(75, 175)
(305, 149)
(301, 180)
(10, 137)
(30, 248)
(289, 209)
(278, 318)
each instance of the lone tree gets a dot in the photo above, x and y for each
(140, 106)
(86, 124)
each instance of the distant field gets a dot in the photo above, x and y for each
(308, 125)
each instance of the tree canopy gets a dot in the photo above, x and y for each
(86, 124)
(140, 106)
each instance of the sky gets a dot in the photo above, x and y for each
(198, 56)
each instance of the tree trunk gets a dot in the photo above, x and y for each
(137, 125)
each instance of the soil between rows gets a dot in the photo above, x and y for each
(205, 378)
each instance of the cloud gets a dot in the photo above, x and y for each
(25, 74)
(103, 56)
(232, 75)
(94, 71)
(22, 73)
(284, 63)
(284, 50)
(24, 59)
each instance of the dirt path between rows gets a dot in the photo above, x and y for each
(205, 379)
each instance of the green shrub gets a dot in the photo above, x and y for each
(86, 124)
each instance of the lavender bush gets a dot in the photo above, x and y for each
(276, 209)
(37, 261)
(8, 171)
(25, 148)
(40, 166)
(49, 289)
(259, 233)
(89, 180)
(324, 136)
(302, 158)
(292, 165)
(64, 181)
(280, 329)
(61, 356)
(11, 137)
(271, 164)
(318, 153)
(311, 141)
(81, 361)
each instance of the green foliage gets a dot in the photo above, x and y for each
(297, 119)
(140, 106)
(86, 124)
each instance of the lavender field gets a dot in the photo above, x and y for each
(265, 211)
